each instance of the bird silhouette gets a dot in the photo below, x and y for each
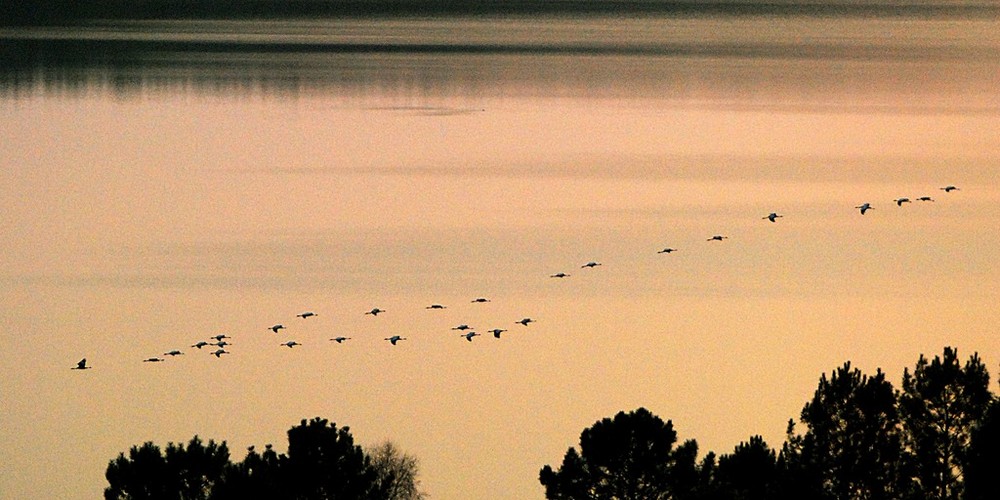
(468, 336)
(307, 314)
(949, 188)
(290, 344)
(221, 343)
(718, 237)
(340, 340)
(900, 201)
(480, 300)
(435, 306)
(395, 338)
(667, 250)
(925, 198)
(219, 352)
(173, 353)
(462, 327)
(864, 207)
(375, 312)
(559, 275)
(275, 328)
(772, 216)
(221, 336)
(81, 365)
(525, 321)
(152, 360)
(201, 344)
(590, 264)
(497, 331)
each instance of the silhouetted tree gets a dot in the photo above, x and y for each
(396, 474)
(324, 463)
(749, 473)
(257, 476)
(939, 405)
(982, 462)
(852, 446)
(183, 473)
(628, 457)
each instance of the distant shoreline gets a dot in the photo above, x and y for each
(73, 12)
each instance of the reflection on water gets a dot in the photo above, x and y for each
(808, 60)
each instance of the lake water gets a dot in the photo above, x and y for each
(163, 181)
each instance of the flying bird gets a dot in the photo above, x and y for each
(480, 300)
(221, 336)
(949, 188)
(290, 344)
(772, 216)
(152, 360)
(307, 314)
(559, 275)
(395, 338)
(667, 250)
(375, 312)
(468, 336)
(864, 207)
(590, 264)
(221, 343)
(218, 353)
(525, 321)
(462, 327)
(900, 201)
(717, 237)
(175, 352)
(275, 328)
(435, 306)
(340, 340)
(201, 344)
(925, 198)
(497, 331)
(82, 365)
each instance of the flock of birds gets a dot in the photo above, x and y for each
(466, 331)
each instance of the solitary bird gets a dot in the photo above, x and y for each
(199, 345)
(221, 336)
(173, 353)
(900, 201)
(772, 216)
(290, 344)
(435, 306)
(718, 237)
(340, 340)
(525, 321)
(590, 264)
(925, 198)
(275, 328)
(81, 365)
(667, 250)
(949, 188)
(497, 331)
(559, 275)
(375, 312)
(480, 300)
(468, 336)
(152, 360)
(218, 353)
(307, 314)
(864, 207)
(395, 338)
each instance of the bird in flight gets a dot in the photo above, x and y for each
(718, 237)
(435, 306)
(559, 275)
(375, 312)
(290, 344)
(462, 327)
(221, 343)
(307, 314)
(275, 328)
(221, 336)
(480, 300)
(468, 336)
(864, 207)
(525, 321)
(772, 216)
(590, 264)
(925, 198)
(497, 331)
(900, 201)
(82, 365)
(395, 338)
(152, 360)
(175, 352)
(219, 352)
(199, 345)
(340, 340)
(667, 250)
(949, 188)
